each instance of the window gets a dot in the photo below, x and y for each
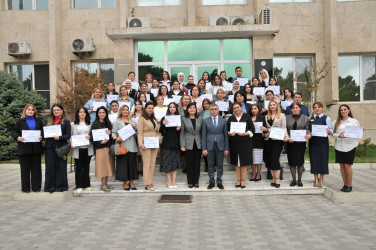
(292, 72)
(27, 4)
(289, 1)
(87, 4)
(34, 77)
(193, 57)
(357, 78)
(158, 2)
(222, 2)
(104, 69)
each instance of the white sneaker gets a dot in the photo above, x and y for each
(79, 190)
(171, 187)
(87, 189)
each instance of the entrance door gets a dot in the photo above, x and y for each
(176, 69)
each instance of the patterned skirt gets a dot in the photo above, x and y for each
(257, 155)
(171, 160)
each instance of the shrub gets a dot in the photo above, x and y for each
(364, 148)
(13, 98)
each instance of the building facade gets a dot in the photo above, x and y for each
(193, 36)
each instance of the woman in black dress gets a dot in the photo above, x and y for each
(240, 144)
(257, 143)
(296, 149)
(171, 154)
(29, 153)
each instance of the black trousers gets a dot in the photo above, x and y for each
(31, 165)
(193, 165)
(82, 177)
(56, 177)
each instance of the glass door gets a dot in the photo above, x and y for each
(212, 69)
(176, 69)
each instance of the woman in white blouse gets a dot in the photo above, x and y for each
(345, 147)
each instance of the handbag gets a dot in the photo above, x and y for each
(119, 149)
(63, 151)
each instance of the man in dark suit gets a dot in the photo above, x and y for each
(214, 144)
(298, 98)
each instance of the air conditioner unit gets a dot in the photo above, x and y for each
(219, 20)
(19, 49)
(242, 20)
(82, 45)
(265, 16)
(136, 22)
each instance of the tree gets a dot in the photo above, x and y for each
(13, 98)
(369, 91)
(155, 71)
(348, 89)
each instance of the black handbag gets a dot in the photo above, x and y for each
(63, 151)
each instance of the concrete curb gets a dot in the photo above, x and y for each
(32, 196)
(352, 197)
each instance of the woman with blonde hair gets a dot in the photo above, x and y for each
(96, 96)
(29, 153)
(184, 101)
(124, 97)
(264, 78)
(273, 147)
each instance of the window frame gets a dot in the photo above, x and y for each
(291, 1)
(34, 4)
(99, 5)
(163, 3)
(227, 3)
(99, 62)
(361, 82)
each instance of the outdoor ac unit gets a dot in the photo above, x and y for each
(136, 22)
(242, 20)
(82, 45)
(19, 49)
(265, 16)
(219, 20)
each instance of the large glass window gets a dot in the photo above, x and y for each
(87, 4)
(34, 77)
(193, 57)
(289, 1)
(292, 72)
(27, 4)
(158, 2)
(104, 69)
(357, 78)
(221, 2)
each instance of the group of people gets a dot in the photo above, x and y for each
(180, 122)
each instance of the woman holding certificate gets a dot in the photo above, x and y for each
(144, 90)
(176, 89)
(96, 98)
(248, 93)
(171, 154)
(240, 143)
(190, 143)
(126, 168)
(83, 152)
(257, 142)
(148, 131)
(345, 147)
(56, 178)
(28, 133)
(274, 128)
(123, 97)
(298, 129)
(241, 99)
(136, 113)
(99, 134)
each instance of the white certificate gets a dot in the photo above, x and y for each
(276, 89)
(266, 104)
(135, 119)
(50, 131)
(154, 91)
(237, 127)
(257, 127)
(173, 120)
(147, 97)
(354, 132)
(177, 98)
(285, 104)
(259, 91)
(277, 133)
(208, 85)
(135, 85)
(31, 135)
(151, 142)
(150, 85)
(126, 132)
(231, 98)
(111, 98)
(206, 96)
(319, 130)
(125, 103)
(100, 134)
(228, 86)
(298, 135)
(97, 105)
(79, 140)
(159, 113)
(242, 81)
(251, 102)
(216, 88)
(223, 106)
(112, 117)
(167, 101)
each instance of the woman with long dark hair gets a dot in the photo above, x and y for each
(82, 154)
(136, 113)
(257, 143)
(29, 153)
(56, 178)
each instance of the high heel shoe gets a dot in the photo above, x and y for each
(242, 186)
(237, 185)
(253, 179)
(127, 189)
(277, 185)
(133, 188)
(343, 188)
(258, 179)
(149, 188)
(348, 190)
